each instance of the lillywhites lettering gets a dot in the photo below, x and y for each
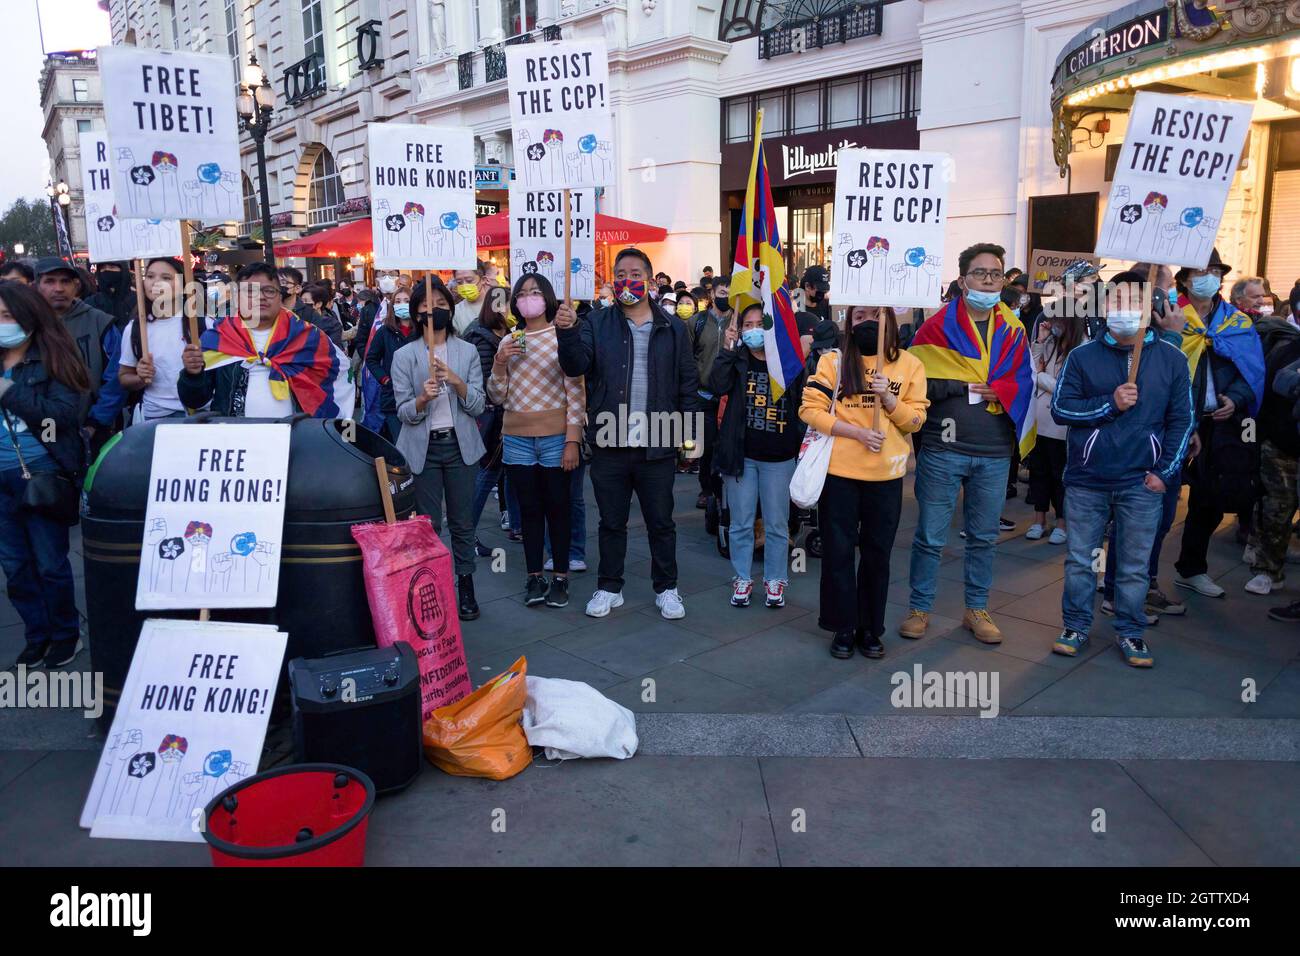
(800, 162)
(133, 910)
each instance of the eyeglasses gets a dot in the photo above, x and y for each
(987, 275)
(264, 292)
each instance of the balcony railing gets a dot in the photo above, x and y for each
(305, 79)
(494, 56)
(858, 20)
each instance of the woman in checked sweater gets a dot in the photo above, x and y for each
(863, 493)
(545, 413)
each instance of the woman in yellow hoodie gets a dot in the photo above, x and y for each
(863, 494)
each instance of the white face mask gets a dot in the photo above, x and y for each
(387, 285)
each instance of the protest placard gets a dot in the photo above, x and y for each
(190, 723)
(891, 206)
(559, 114)
(422, 196)
(1175, 168)
(1046, 267)
(110, 238)
(214, 517)
(172, 133)
(537, 238)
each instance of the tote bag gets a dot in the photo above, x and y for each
(815, 456)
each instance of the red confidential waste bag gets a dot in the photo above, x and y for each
(412, 598)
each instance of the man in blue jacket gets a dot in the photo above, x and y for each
(641, 379)
(1125, 444)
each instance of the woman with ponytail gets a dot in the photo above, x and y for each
(156, 375)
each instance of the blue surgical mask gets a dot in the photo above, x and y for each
(1016, 312)
(753, 338)
(402, 310)
(982, 301)
(1205, 287)
(1123, 325)
(12, 335)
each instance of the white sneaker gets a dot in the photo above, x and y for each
(505, 522)
(1248, 557)
(741, 590)
(549, 565)
(576, 566)
(1035, 532)
(1057, 536)
(1261, 584)
(1200, 583)
(669, 603)
(602, 602)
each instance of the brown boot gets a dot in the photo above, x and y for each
(915, 624)
(981, 625)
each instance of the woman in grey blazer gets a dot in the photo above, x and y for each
(439, 436)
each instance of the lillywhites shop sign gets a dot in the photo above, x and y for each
(1126, 38)
(799, 161)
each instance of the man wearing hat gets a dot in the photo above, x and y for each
(99, 340)
(816, 284)
(1227, 365)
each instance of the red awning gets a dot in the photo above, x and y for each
(343, 242)
(494, 231)
(354, 238)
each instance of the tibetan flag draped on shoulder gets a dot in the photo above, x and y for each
(1231, 334)
(949, 346)
(758, 274)
(301, 359)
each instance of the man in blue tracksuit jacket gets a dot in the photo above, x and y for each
(1125, 444)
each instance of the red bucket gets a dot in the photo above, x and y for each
(311, 814)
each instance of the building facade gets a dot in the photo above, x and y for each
(72, 103)
(973, 78)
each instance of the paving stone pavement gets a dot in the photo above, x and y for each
(748, 724)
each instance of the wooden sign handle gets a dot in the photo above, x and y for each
(141, 313)
(1142, 333)
(205, 614)
(187, 267)
(880, 361)
(568, 249)
(385, 495)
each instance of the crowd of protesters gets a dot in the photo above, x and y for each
(490, 389)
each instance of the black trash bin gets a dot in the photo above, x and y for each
(322, 597)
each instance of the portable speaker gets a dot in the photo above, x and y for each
(360, 708)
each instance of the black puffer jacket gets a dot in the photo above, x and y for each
(37, 398)
(486, 341)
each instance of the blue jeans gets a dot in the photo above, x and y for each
(492, 475)
(577, 517)
(940, 475)
(1137, 512)
(768, 481)
(1173, 490)
(34, 556)
(547, 450)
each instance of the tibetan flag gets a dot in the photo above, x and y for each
(301, 359)
(949, 346)
(759, 274)
(1231, 334)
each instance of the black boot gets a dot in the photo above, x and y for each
(842, 645)
(869, 646)
(468, 606)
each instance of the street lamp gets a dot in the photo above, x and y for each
(256, 105)
(60, 199)
(19, 249)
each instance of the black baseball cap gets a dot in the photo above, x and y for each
(817, 277)
(48, 264)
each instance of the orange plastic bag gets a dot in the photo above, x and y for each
(481, 735)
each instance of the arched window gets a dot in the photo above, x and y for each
(252, 214)
(325, 191)
(740, 19)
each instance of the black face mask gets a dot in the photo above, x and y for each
(722, 303)
(441, 320)
(864, 336)
(111, 282)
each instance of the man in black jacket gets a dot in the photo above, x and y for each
(641, 386)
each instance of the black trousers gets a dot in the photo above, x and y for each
(615, 474)
(1046, 468)
(862, 515)
(543, 502)
(707, 483)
